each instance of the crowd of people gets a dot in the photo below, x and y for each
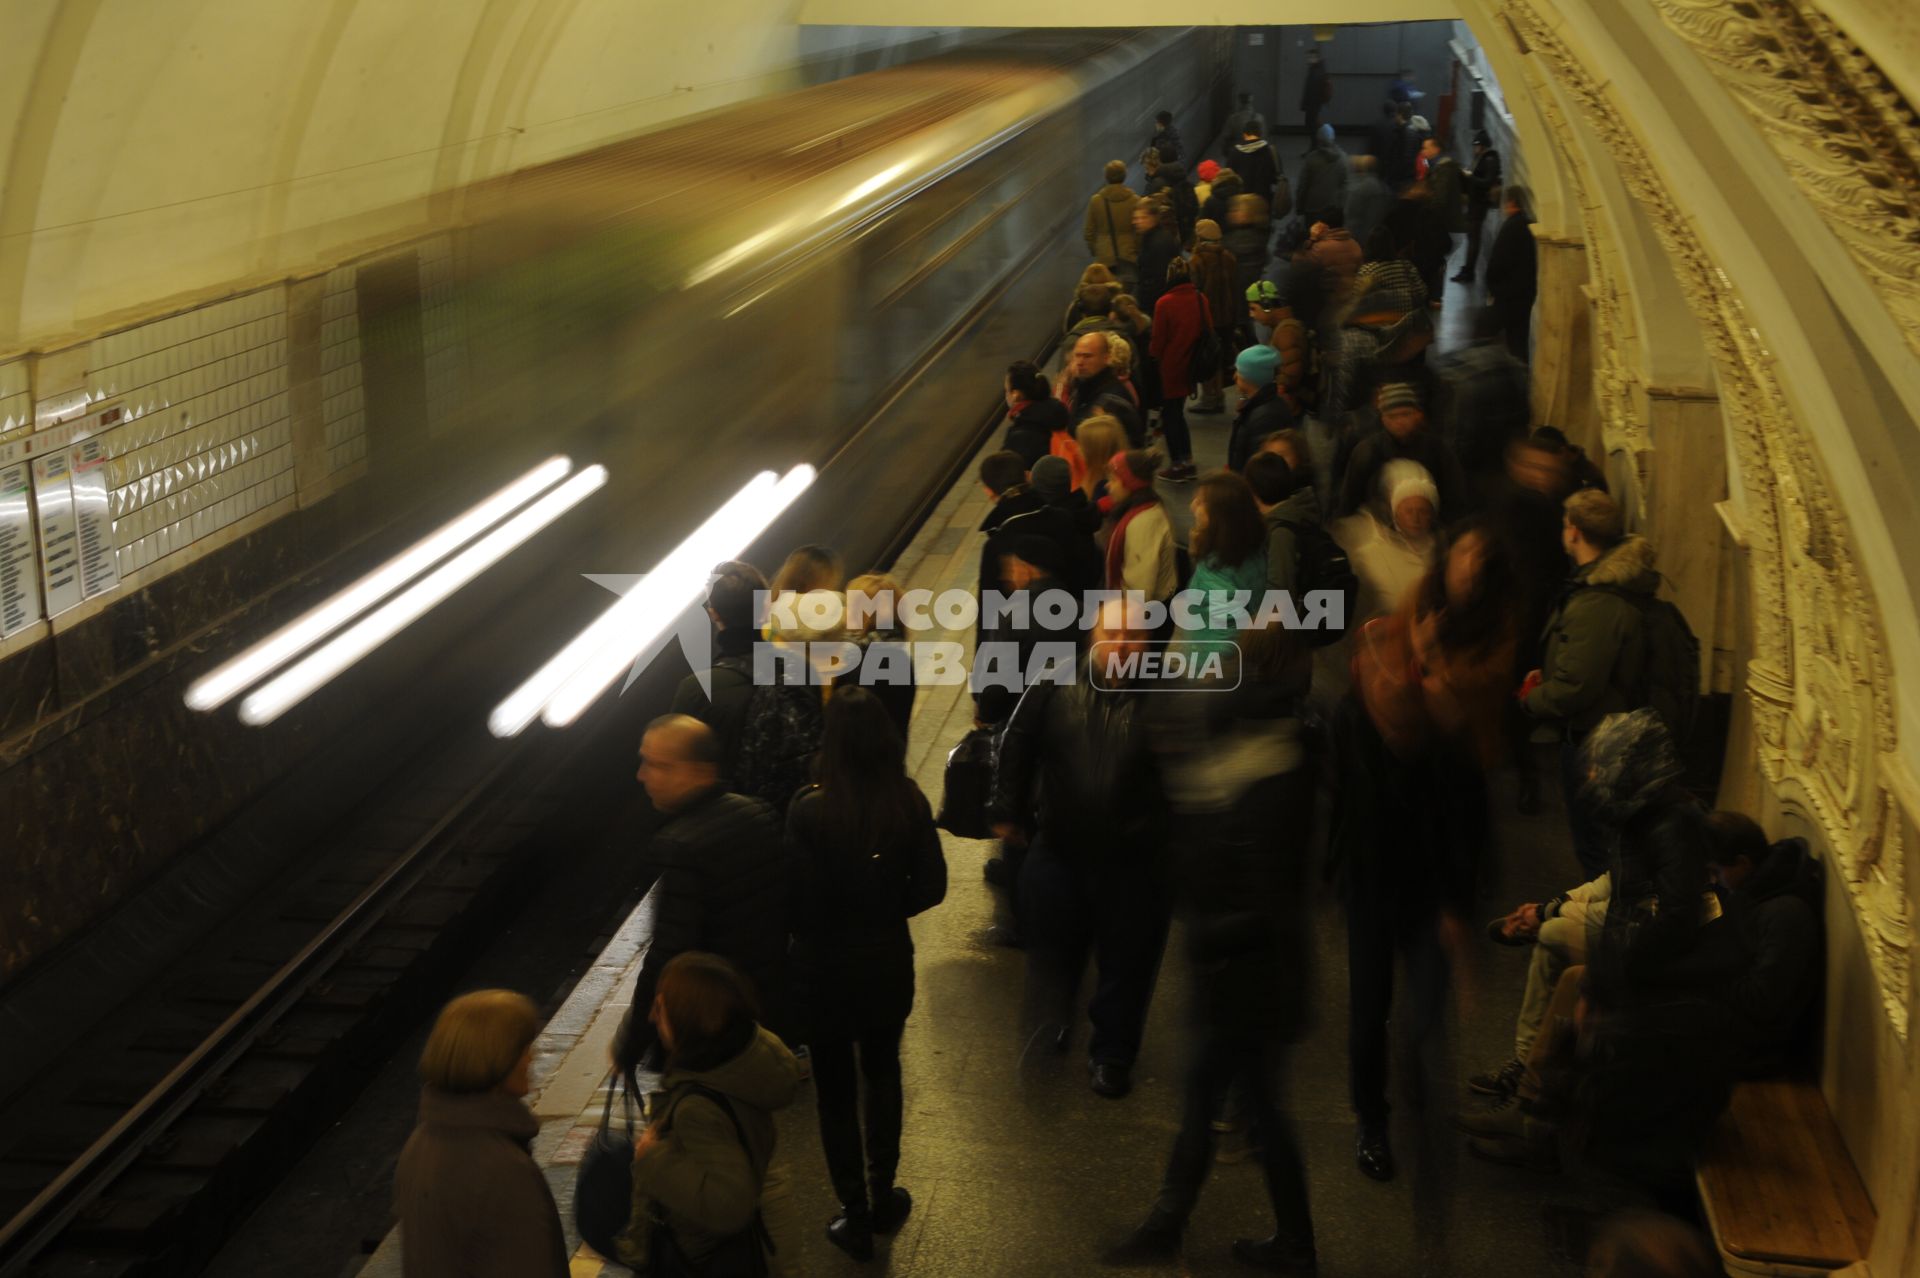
(1495, 601)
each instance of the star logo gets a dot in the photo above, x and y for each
(691, 629)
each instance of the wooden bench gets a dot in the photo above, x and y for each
(1780, 1190)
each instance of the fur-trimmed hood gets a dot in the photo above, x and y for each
(1628, 566)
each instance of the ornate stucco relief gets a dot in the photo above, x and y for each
(1818, 680)
(1846, 135)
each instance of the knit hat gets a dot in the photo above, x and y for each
(1258, 364)
(1206, 229)
(1265, 292)
(1402, 478)
(1325, 133)
(1398, 395)
(1051, 477)
(1482, 138)
(1207, 169)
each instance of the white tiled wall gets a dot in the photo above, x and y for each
(207, 440)
(16, 405)
(343, 402)
(443, 324)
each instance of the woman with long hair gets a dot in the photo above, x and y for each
(1100, 440)
(873, 622)
(1228, 545)
(867, 858)
(471, 1201)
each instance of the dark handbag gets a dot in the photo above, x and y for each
(603, 1186)
(1208, 353)
(741, 1255)
(969, 787)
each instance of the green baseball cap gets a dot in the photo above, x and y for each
(1264, 292)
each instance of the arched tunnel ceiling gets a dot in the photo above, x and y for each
(152, 148)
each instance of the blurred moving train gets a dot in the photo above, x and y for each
(835, 276)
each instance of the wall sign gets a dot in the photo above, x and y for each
(19, 583)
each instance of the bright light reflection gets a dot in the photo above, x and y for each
(576, 676)
(317, 669)
(218, 686)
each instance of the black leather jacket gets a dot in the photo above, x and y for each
(1087, 756)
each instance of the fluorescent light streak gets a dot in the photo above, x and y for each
(524, 704)
(219, 686)
(312, 672)
(576, 676)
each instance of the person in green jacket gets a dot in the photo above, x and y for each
(1228, 544)
(701, 1167)
(1593, 660)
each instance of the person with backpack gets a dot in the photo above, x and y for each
(721, 885)
(867, 858)
(1291, 513)
(1273, 310)
(702, 1167)
(1187, 351)
(1594, 658)
(1108, 228)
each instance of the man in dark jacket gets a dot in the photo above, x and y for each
(1159, 245)
(1287, 504)
(1489, 402)
(1482, 181)
(1033, 563)
(1314, 95)
(1165, 139)
(722, 883)
(1094, 391)
(1259, 168)
(1369, 199)
(1323, 177)
(1417, 230)
(733, 597)
(1263, 410)
(1004, 477)
(1513, 271)
(1095, 877)
(1593, 659)
(1404, 433)
(1447, 184)
(1388, 144)
(1219, 203)
(1768, 948)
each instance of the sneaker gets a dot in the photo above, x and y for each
(1502, 1082)
(1501, 1119)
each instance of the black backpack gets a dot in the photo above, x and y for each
(778, 736)
(1669, 665)
(1322, 565)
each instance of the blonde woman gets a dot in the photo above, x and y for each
(471, 1201)
(1101, 439)
(873, 622)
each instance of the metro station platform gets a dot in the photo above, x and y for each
(1018, 1169)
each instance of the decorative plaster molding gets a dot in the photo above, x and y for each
(1818, 680)
(1844, 132)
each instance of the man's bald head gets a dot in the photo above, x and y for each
(1091, 355)
(679, 760)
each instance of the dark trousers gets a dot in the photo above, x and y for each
(1115, 909)
(1313, 122)
(1476, 223)
(1173, 420)
(1375, 938)
(1516, 322)
(836, 1085)
(1256, 1065)
(1589, 844)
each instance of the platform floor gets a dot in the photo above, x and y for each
(1018, 1169)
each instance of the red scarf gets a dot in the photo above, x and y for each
(1139, 496)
